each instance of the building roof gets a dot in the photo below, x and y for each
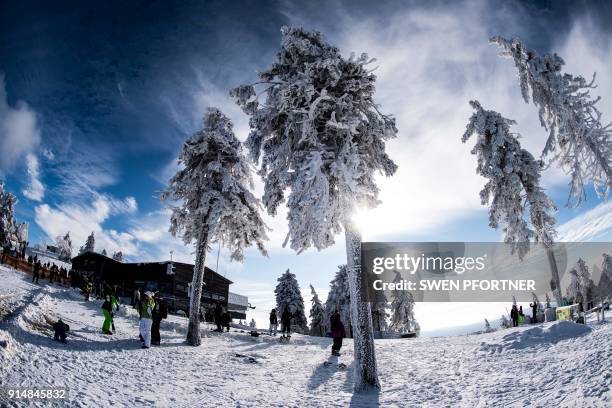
(179, 264)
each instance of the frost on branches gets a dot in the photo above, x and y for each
(581, 288)
(320, 138)
(339, 300)
(89, 246)
(118, 256)
(317, 315)
(8, 225)
(402, 313)
(216, 204)
(513, 179)
(604, 288)
(379, 307)
(577, 139)
(289, 297)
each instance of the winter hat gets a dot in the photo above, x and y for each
(148, 294)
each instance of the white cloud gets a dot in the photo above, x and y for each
(589, 226)
(35, 190)
(19, 133)
(81, 220)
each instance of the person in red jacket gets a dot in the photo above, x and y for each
(337, 333)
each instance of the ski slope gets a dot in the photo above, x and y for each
(559, 365)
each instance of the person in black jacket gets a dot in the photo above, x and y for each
(160, 312)
(286, 322)
(36, 272)
(60, 328)
(514, 314)
(226, 319)
(273, 322)
(218, 317)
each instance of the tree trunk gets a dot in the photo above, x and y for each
(555, 275)
(366, 375)
(193, 330)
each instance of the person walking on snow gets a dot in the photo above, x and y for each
(107, 309)
(160, 312)
(273, 322)
(36, 272)
(514, 315)
(286, 322)
(146, 318)
(218, 317)
(337, 332)
(534, 311)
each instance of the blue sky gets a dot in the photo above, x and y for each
(96, 98)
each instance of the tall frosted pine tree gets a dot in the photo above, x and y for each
(320, 137)
(215, 203)
(577, 139)
(317, 315)
(289, 297)
(339, 299)
(90, 244)
(8, 225)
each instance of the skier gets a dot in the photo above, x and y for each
(218, 317)
(60, 328)
(273, 322)
(514, 315)
(36, 272)
(160, 312)
(286, 322)
(146, 318)
(337, 332)
(107, 309)
(534, 310)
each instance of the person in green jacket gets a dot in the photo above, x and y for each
(146, 318)
(107, 309)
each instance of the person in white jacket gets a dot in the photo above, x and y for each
(146, 318)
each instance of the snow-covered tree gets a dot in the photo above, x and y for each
(505, 322)
(253, 324)
(118, 256)
(104, 252)
(536, 301)
(577, 139)
(317, 315)
(547, 300)
(216, 204)
(379, 307)
(339, 300)
(64, 247)
(8, 225)
(90, 244)
(289, 296)
(488, 328)
(513, 179)
(604, 287)
(587, 287)
(320, 137)
(402, 313)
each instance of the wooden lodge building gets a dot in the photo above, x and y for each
(171, 279)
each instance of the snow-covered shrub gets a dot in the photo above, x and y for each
(317, 315)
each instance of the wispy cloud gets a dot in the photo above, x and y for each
(19, 131)
(35, 190)
(589, 226)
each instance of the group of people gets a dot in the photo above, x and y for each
(517, 315)
(222, 318)
(54, 272)
(337, 332)
(151, 311)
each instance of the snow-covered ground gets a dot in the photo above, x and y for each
(559, 364)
